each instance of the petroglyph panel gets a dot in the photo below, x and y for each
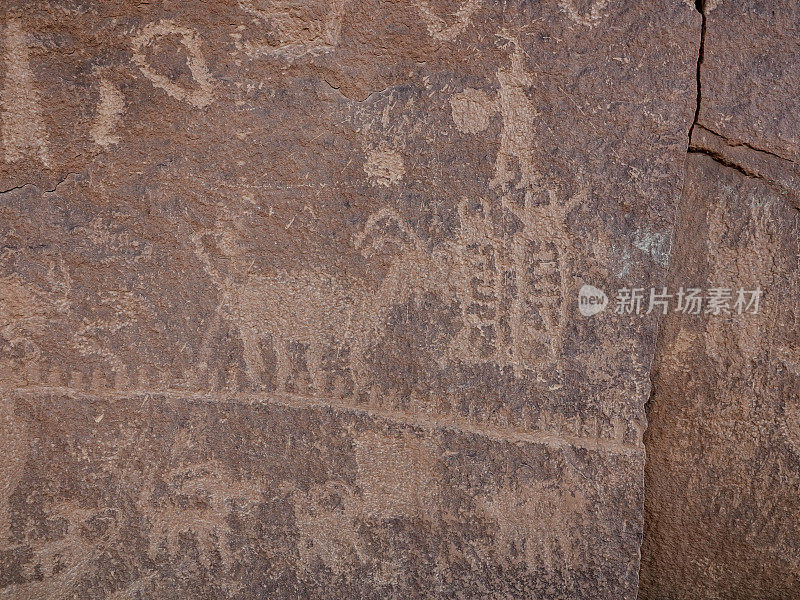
(361, 227)
(214, 497)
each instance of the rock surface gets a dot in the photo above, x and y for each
(750, 85)
(288, 299)
(723, 439)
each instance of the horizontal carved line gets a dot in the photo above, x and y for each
(428, 422)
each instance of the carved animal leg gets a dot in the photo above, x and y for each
(502, 168)
(198, 371)
(358, 370)
(283, 365)
(314, 362)
(252, 356)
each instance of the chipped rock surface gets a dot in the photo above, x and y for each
(723, 440)
(288, 299)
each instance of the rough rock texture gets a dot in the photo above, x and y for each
(288, 294)
(750, 84)
(723, 442)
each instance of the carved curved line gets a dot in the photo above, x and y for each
(195, 61)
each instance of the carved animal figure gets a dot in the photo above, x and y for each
(321, 310)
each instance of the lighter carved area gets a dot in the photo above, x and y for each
(438, 27)
(109, 112)
(24, 134)
(621, 439)
(199, 96)
(295, 29)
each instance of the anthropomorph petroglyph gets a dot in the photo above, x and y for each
(534, 261)
(472, 110)
(514, 310)
(438, 27)
(24, 134)
(297, 28)
(200, 96)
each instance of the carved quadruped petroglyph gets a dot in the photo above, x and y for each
(395, 479)
(541, 522)
(199, 97)
(588, 18)
(325, 517)
(198, 500)
(24, 133)
(45, 575)
(510, 288)
(24, 311)
(438, 27)
(186, 501)
(322, 310)
(109, 112)
(298, 28)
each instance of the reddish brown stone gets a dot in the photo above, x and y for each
(289, 293)
(723, 442)
(750, 82)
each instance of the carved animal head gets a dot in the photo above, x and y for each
(386, 232)
(410, 267)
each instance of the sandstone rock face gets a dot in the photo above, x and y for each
(722, 443)
(289, 293)
(723, 433)
(749, 76)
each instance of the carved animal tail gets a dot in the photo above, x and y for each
(222, 282)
